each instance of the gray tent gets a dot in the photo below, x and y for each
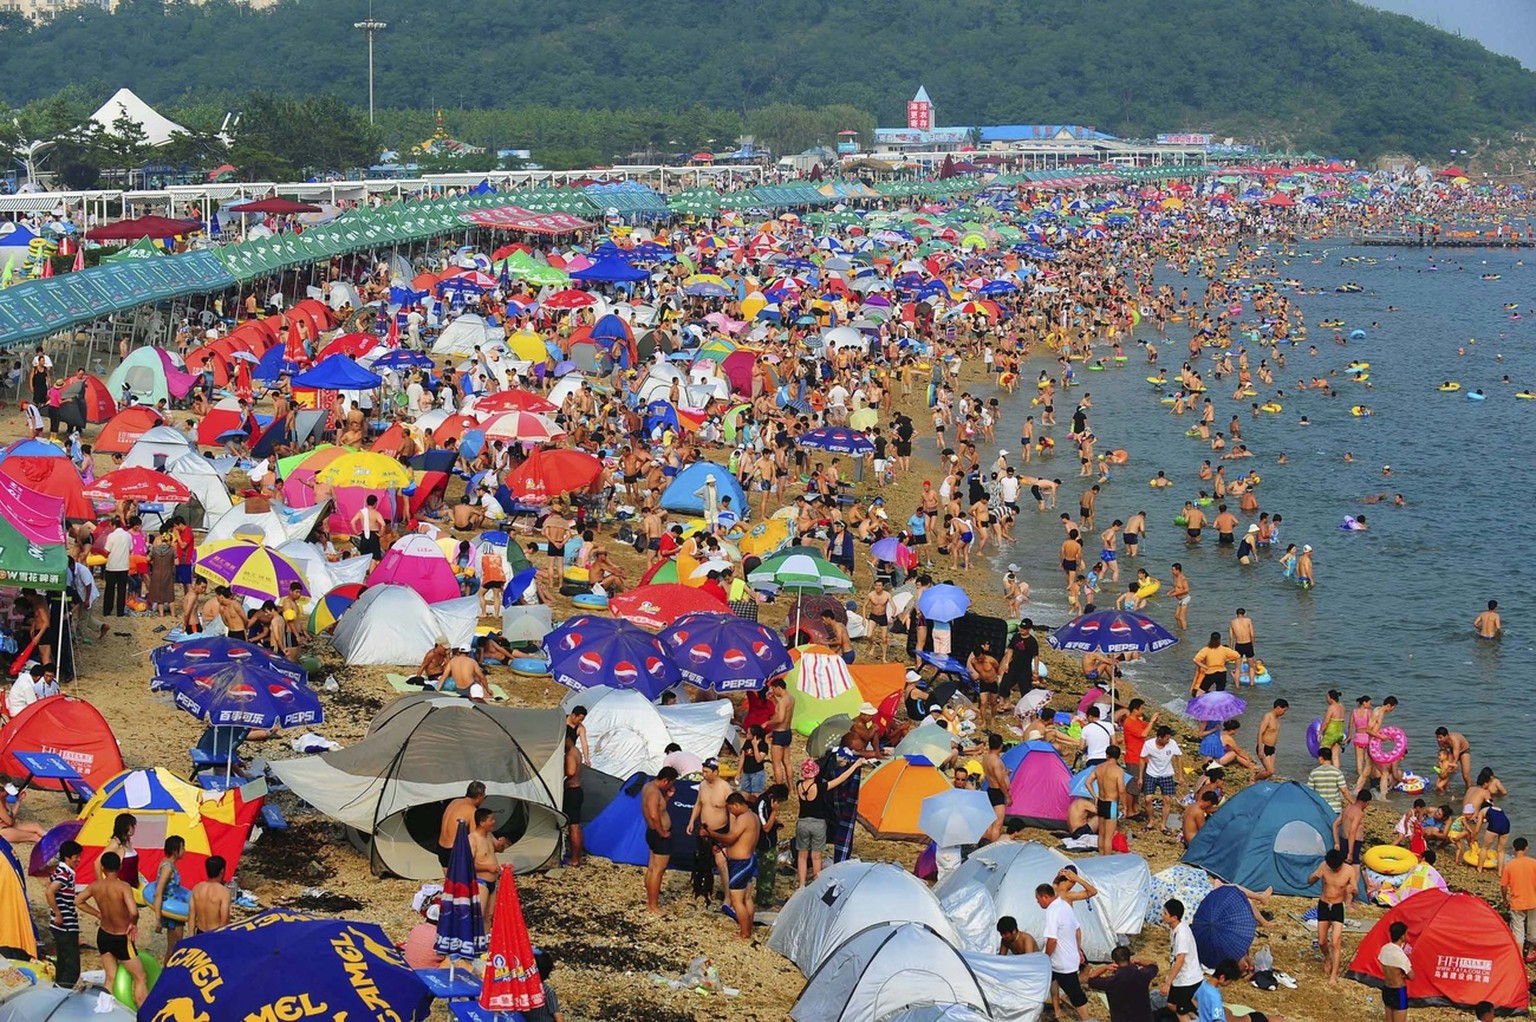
(420, 752)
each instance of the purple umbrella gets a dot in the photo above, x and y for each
(46, 850)
(1215, 706)
(586, 652)
(893, 551)
(724, 652)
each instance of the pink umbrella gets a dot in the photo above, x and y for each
(520, 425)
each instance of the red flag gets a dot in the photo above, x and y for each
(293, 348)
(79, 259)
(47, 266)
(511, 978)
(393, 340)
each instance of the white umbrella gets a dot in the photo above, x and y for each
(956, 817)
(712, 565)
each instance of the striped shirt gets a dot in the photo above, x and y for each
(1326, 780)
(64, 876)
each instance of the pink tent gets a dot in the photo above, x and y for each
(1040, 789)
(299, 492)
(37, 516)
(417, 562)
(178, 382)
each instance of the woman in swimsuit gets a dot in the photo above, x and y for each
(1492, 822)
(1360, 737)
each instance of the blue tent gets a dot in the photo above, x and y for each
(1270, 834)
(661, 413)
(338, 373)
(618, 832)
(273, 364)
(685, 495)
(611, 328)
(610, 269)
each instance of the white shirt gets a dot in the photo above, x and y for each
(23, 694)
(1008, 488)
(1061, 923)
(1159, 759)
(837, 396)
(119, 547)
(1097, 738)
(1183, 942)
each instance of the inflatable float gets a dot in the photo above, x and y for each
(1360, 412)
(1394, 737)
(1449, 388)
(1389, 860)
(1272, 407)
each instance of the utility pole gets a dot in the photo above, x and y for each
(370, 26)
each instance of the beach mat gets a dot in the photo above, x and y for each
(400, 683)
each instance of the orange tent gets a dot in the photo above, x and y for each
(891, 797)
(124, 429)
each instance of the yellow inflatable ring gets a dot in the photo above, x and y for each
(1449, 388)
(95, 560)
(1390, 860)
(577, 575)
(1490, 857)
(1271, 407)
(1148, 590)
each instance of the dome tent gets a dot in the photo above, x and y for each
(1038, 791)
(392, 624)
(624, 731)
(71, 728)
(846, 899)
(685, 494)
(420, 752)
(1270, 834)
(617, 833)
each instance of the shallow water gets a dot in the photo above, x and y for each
(1392, 610)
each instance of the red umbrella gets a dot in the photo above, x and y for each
(123, 430)
(276, 205)
(54, 476)
(549, 474)
(511, 980)
(136, 483)
(145, 227)
(657, 606)
(568, 299)
(521, 426)
(515, 401)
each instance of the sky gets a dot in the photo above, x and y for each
(1504, 26)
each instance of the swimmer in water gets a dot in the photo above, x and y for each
(1282, 459)
(1488, 624)
(1160, 481)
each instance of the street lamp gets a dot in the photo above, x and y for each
(370, 26)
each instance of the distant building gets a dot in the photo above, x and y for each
(47, 10)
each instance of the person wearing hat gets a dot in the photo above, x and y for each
(1245, 546)
(1304, 568)
(864, 732)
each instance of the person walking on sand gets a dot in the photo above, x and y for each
(1107, 786)
(738, 842)
(1339, 880)
(780, 729)
(1518, 882)
(655, 807)
(1396, 971)
(111, 901)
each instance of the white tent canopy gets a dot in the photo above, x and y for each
(464, 335)
(158, 442)
(627, 734)
(157, 128)
(847, 898)
(274, 528)
(205, 481)
(392, 624)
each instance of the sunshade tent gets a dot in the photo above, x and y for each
(338, 373)
(1269, 834)
(391, 624)
(847, 898)
(624, 731)
(16, 928)
(416, 562)
(1039, 790)
(685, 494)
(891, 797)
(421, 751)
(70, 727)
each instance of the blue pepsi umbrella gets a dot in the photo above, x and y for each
(460, 924)
(274, 963)
(246, 695)
(724, 652)
(586, 651)
(1112, 631)
(403, 358)
(837, 439)
(202, 653)
(943, 602)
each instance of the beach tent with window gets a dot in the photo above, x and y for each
(86, 400)
(848, 898)
(1039, 790)
(417, 562)
(151, 375)
(158, 446)
(70, 728)
(464, 335)
(892, 968)
(420, 752)
(618, 832)
(1269, 834)
(392, 624)
(685, 495)
(1461, 952)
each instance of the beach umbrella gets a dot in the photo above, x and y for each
(864, 418)
(725, 653)
(45, 851)
(1224, 925)
(568, 299)
(800, 569)
(403, 359)
(657, 606)
(837, 440)
(933, 742)
(249, 569)
(141, 484)
(1112, 631)
(329, 607)
(1215, 706)
(548, 474)
(282, 959)
(201, 653)
(587, 652)
(528, 427)
(958, 816)
(366, 470)
(828, 735)
(515, 400)
(248, 695)
(460, 926)
(893, 551)
(1188, 884)
(511, 981)
(943, 602)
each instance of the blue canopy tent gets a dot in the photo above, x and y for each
(1270, 834)
(338, 373)
(684, 495)
(272, 365)
(610, 269)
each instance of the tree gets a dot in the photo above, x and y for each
(125, 145)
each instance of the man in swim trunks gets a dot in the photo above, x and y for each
(484, 846)
(1179, 590)
(1455, 745)
(738, 840)
(998, 781)
(1135, 528)
(1339, 881)
(1349, 827)
(780, 731)
(1240, 632)
(1396, 970)
(877, 610)
(1071, 555)
(983, 669)
(460, 810)
(1269, 739)
(1194, 521)
(655, 798)
(111, 901)
(1107, 555)
(1107, 783)
(1488, 624)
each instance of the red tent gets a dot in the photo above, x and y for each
(1461, 950)
(145, 227)
(1279, 200)
(99, 405)
(54, 476)
(70, 728)
(124, 429)
(276, 205)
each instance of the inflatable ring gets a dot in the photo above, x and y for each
(1314, 737)
(1449, 388)
(1174, 400)
(1149, 590)
(1119, 457)
(1156, 381)
(1360, 411)
(1180, 520)
(1526, 395)
(172, 908)
(530, 667)
(95, 560)
(1191, 432)
(1490, 858)
(1412, 784)
(1271, 407)
(1474, 396)
(592, 600)
(577, 575)
(1095, 369)
(1390, 860)
(1398, 741)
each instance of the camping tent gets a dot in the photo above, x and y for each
(685, 493)
(1461, 953)
(1270, 834)
(273, 527)
(1010, 872)
(151, 375)
(1038, 791)
(417, 562)
(70, 728)
(464, 335)
(891, 797)
(205, 483)
(392, 624)
(624, 731)
(157, 446)
(846, 899)
(618, 832)
(420, 752)
(16, 929)
(887, 969)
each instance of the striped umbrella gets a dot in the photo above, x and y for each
(249, 569)
(329, 608)
(800, 569)
(521, 426)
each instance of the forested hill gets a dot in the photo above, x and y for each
(1327, 74)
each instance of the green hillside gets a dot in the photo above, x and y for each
(1325, 74)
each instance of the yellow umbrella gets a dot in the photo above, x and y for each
(528, 346)
(752, 305)
(249, 569)
(864, 418)
(765, 538)
(366, 469)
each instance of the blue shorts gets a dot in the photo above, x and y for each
(1107, 556)
(184, 574)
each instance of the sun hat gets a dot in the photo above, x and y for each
(867, 710)
(810, 768)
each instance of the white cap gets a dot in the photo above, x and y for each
(913, 675)
(1307, 549)
(1013, 567)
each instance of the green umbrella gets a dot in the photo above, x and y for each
(800, 569)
